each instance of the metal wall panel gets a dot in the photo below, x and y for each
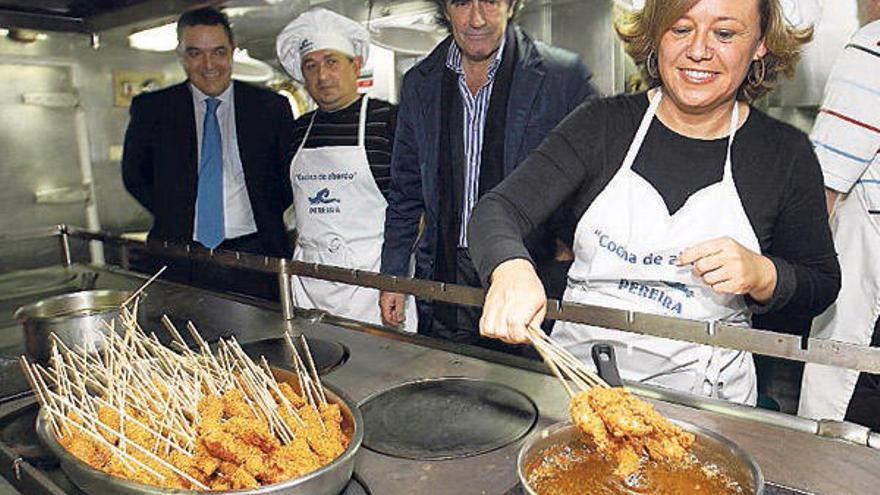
(39, 148)
(584, 27)
(39, 153)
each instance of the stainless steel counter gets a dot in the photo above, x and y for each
(380, 359)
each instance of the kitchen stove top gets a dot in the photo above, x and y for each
(378, 361)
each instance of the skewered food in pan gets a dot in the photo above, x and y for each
(627, 429)
(207, 420)
(627, 447)
(577, 468)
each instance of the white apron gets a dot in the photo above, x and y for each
(626, 245)
(826, 390)
(340, 219)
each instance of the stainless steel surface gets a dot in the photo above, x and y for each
(39, 146)
(583, 27)
(710, 447)
(78, 319)
(285, 290)
(753, 414)
(44, 20)
(25, 283)
(64, 242)
(327, 355)
(40, 143)
(381, 359)
(821, 351)
(328, 480)
(848, 431)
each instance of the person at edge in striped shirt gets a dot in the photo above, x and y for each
(470, 112)
(846, 137)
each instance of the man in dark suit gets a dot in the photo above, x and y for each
(208, 158)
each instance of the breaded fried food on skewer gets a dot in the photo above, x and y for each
(627, 428)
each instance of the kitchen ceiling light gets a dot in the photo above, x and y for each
(248, 69)
(158, 39)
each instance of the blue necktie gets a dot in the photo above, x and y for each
(209, 202)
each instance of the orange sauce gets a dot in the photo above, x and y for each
(577, 469)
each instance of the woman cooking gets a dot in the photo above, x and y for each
(691, 203)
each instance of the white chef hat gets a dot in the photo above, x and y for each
(320, 29)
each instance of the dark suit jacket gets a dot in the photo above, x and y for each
(547, 84)
(160, 160)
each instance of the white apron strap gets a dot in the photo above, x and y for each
(636, 144)
(362, 123)
(734, 124)
(302, 144)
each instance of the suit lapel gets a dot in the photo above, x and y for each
(186, 126)
(186, 133)
(428, 93)
(528, 79)
(245, 126)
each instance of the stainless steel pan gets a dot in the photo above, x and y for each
(710, 448)
(77, 319)
(328, 480)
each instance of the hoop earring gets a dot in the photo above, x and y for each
(756, 76)
(651, 65)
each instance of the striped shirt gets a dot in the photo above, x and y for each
(475, 107)
(340, 128)
(846, 135)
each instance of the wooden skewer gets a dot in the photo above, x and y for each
(156, 389)
(313, 369)
(121, 412)
(570, 369)
(144, 286)
(281, 398)
(552, 365)
(166, 322)
(100, 438)
(28, 372)
(563, 364)
(147, 453)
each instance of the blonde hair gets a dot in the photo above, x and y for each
(641, 30)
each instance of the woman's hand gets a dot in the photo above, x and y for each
(729, 268)
(516, 299)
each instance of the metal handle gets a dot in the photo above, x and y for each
(726, 335)
(606, 363)
(285, 290)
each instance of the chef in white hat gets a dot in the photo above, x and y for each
(341, 170)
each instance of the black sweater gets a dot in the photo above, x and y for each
(774, 168)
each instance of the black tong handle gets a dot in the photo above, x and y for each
(606, 364)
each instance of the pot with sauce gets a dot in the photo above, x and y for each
(561, 461)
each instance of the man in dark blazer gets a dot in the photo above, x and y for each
(469, 113)
(208, 158)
